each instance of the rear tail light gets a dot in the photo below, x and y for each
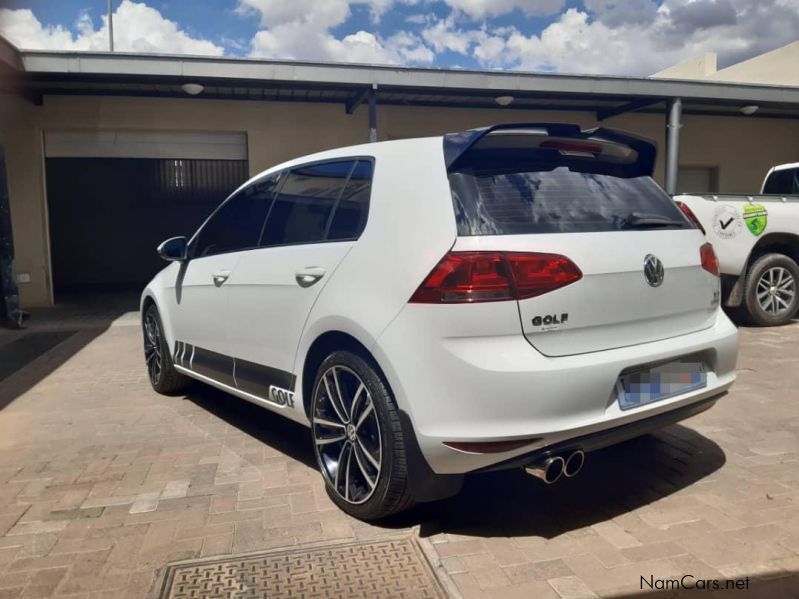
(709, 261)
(468, 277)
(691, 216)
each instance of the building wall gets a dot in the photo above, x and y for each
(778, 67)
(697, 67)
(742, 149)
(22, 138)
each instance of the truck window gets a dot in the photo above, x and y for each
(785, 181)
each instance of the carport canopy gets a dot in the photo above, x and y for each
(34, 74)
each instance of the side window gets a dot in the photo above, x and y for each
(301, 210)
(349, 218)
(785, 181)
(236, 224)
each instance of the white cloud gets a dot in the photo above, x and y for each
(328, 13)
(273, 14)
(420, 19)
(297, 41)
(301, 30)
(629, 38)
(480, 9)
(22, 28)
(137, 28)
(443, 35)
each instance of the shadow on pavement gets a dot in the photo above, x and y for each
(280, 433)
(614, 480)
(52, 336)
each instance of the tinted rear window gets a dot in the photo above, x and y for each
(305, 202)
(349, 218)
(502, 202)
(784, 181)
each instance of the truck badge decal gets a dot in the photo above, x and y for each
(726, 222)
(756, 218)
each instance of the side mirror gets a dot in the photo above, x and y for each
(174, 249)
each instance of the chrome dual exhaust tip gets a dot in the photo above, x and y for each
(574, 463)
(552, 468)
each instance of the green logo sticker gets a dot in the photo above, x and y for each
(756, 218)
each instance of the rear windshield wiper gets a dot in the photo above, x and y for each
(639, 220)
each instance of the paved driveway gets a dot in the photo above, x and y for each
(104, 482)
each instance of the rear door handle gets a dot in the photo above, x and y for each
(309, 275)
(220, 277)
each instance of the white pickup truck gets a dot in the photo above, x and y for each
(756, 239)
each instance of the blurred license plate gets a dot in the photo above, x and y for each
(659, 382)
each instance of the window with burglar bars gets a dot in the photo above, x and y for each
(195, 180)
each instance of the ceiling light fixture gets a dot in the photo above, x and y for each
(504, 100)
(192, 89)
(749, 109)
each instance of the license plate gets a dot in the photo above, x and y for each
(642, 387)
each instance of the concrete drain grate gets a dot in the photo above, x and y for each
(387, 568)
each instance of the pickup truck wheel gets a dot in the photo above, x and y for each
(772, 290)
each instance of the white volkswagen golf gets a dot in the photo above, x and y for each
(506, 297)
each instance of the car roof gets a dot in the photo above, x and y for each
(786, 166)
(372, 150)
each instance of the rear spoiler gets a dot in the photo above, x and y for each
(457, 145)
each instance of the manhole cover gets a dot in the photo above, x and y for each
(389, 568)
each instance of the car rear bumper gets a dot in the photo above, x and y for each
(610, 436)
(485, 389)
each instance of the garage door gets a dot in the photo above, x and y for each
(114, 196)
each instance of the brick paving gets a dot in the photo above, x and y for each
(103, 482)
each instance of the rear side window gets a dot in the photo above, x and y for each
(305, 203)
(349, 218)
(557, 200)
(785, 181)
(236, 224)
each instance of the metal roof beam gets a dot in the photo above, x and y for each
(81, 64)
(607, 113)
(359, 99)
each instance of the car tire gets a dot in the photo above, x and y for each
(358, 438)
(158, 359)
(772, 290)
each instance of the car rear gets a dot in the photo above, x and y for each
(576, 303)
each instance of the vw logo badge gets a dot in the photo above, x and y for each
(653, 270)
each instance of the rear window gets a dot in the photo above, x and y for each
(559, 200)
(783, 181)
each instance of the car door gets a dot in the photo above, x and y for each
(202, 312)
(318, 212)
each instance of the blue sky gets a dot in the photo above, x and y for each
(622, 37)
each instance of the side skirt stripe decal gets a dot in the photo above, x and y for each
(272, 384)
(214, 365)
(256, 378)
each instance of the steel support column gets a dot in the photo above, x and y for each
(673, 144)
(373, 113)
(110, 26)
